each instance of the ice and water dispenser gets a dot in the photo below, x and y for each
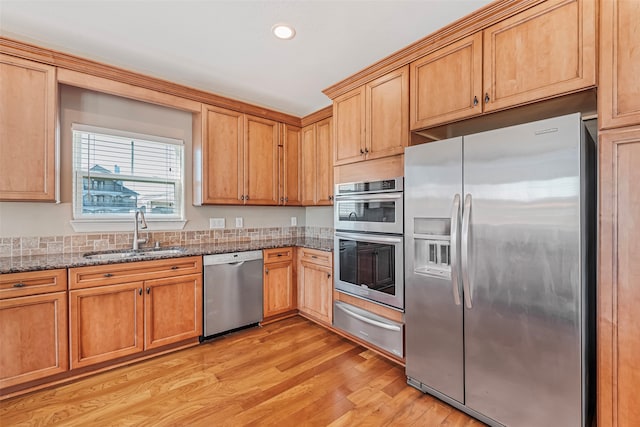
(432, 240)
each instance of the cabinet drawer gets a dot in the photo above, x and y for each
(32, 283)
(315, 256)
(100, 275)
(277, 255)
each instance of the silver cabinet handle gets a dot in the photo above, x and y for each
(366, 319)
(466, 217)
(455, 282)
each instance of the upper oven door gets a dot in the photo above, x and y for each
(382, 213)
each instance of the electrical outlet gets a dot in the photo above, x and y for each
(238, 222)
(294, 221)
(216, 222)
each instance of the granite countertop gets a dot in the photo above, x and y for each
(53, 261)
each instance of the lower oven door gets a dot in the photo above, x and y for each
(383, 333)
(370, 266)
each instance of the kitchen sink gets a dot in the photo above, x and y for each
(128, 253)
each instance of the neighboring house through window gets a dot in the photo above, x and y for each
(117, 172)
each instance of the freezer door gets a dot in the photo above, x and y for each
(433, 313)
(522, 271)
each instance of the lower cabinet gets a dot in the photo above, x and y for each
(278, 289)
(127, 317)
(33, 326)
(315, 284)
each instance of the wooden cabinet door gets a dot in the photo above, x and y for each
(545, 51)
(349, 122)
(173, 310)
(324, 165)
(290, 165)
(222, 156)
(317, 289)
(619, 278)
(446, 85)
(34, 338)
(261, 161)
(28, 99)
(106, 323)
(279, 295)
(308, 165)
(619, 85)
(387, 114)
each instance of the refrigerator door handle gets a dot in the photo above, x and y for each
(455, 282)
(466, 284)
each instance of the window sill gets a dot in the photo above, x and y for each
(111, 225)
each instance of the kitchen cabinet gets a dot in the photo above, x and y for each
(290, 189)
(237, 159)
(371, 120)
(446, 85)
(279, 292)
(33, 326)
(315, 284)
(541, 52)
(316, 164)
(124, 309)
(28, 100)
(619, 84)
(618, 278)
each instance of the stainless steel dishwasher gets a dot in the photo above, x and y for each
(232, 291)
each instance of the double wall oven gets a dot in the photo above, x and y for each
(368, 251)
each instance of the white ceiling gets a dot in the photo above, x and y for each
(226, 47)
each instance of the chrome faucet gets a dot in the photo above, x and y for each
(136, 240)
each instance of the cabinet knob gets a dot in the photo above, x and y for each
(361, 151)
(282, 199)
(18, 285)
(246, 197)
(486, 98)
(475, 101)
(242, 197)
(175, 267)
(279, 254)
(140, 291)
(328, 275)
(107, 275)
(266, 271)
(148, 291)
(286, 199)
(366, 151)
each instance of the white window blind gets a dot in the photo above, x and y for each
(117, 172)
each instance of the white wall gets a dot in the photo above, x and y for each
(19, 219)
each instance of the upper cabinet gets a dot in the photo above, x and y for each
(544, 51)
(446, 85)
(28, 99)
(316, 164)
(238, 159)
(619, 86)
(290, 191)
(371, 121)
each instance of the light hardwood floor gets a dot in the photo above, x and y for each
(288, 373)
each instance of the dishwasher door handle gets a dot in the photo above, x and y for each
(237, 264)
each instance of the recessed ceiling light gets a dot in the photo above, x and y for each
(283, 31)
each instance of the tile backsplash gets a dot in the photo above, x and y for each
(90, 242)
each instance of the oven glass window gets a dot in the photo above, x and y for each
(370, 264)
(367, 211)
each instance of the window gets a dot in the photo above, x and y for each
(117, 172)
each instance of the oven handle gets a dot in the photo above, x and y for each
(366, 319)
(369, 237)
(371, 197)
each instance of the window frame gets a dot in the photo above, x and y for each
(118, 222)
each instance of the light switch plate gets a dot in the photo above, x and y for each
(216, 222)
(238, 222)
(294, 221)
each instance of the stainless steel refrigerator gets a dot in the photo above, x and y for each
(499, 272)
